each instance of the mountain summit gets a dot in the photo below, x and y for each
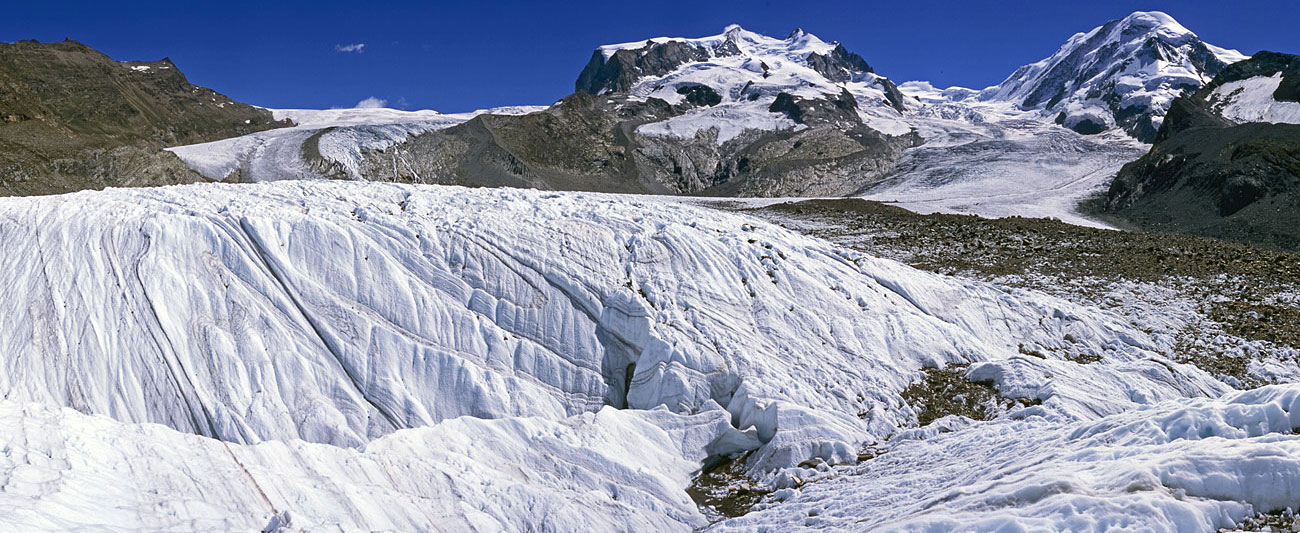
(741, 65)
(1123, 73)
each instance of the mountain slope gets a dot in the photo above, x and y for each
(735, 114)
(1226, 162)
(72, 118)
(1122, 74)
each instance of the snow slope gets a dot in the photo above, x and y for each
(1251, 100)
(1193, 465)
(1132, 66)
(341, 136)
(341, 312)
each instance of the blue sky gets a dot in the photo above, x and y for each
(458, 56)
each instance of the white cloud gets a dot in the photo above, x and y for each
(372, 102)
(350, 48)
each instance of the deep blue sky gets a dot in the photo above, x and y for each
(458, 56)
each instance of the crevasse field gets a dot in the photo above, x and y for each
(366, 356)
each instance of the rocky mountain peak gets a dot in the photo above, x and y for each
(740, 65)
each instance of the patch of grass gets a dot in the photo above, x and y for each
(723, 490)
(946, 391)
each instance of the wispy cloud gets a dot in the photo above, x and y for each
(355, 48)
(372, 102)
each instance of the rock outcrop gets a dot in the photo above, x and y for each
(1226, 162)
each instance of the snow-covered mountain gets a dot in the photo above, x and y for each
(743, 114)
(1121, 74)
(744, 72)
(1003, 151)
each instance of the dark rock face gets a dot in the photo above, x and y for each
(892, 94)
(840, 65)
(840, 109)
(1088, 127)
(72, 118)
(624, 67)
(700, 95)
(1289, 89)
(1184, 114)
(1238, 183)
(786, 103)
(1208, 176)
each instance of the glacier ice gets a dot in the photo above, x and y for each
(64, 471)
(1186, 465)
(340, 312)
(341, 354)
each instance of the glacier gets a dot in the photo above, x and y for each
(65, 471)
(319, 138)
(1191, 465)
(993, 159)
(354, 328)
(340, 312)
